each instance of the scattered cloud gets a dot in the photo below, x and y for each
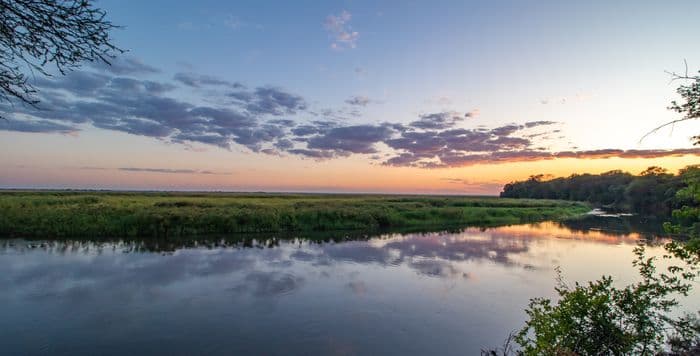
(339, 30)
(198, 81)
(271, 120)
(218, 21)
(169, 170)
(351, 139)
(315, 154)
(358, 100)
(35, 126)
(271, 100)
(341, 114)
(444, 147)
(463, 159)
(473, 114)
(144, 107)
(124, 66)
(155, 170)
(441, 120)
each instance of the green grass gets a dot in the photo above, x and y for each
(125, 214)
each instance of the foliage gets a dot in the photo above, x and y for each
(605, 189)
(35, 33)
(92, 214)
(686, 219)
(508, 348)
(690, 106)
(602, 319)
(653, 192)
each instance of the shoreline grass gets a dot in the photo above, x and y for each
(50, 214)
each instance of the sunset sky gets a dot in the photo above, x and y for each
(453, 97)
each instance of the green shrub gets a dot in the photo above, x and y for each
(599, 318)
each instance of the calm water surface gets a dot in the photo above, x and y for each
(436, 293)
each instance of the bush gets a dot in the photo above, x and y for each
(600, 319)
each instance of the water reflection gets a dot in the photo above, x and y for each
(50, 268)
(591, 226)
(623, 225)
(354, 294)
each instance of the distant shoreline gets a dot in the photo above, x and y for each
(244, 192)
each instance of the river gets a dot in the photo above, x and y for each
(449, 293)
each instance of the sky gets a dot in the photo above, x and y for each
(430, 97)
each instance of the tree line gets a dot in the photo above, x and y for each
(604, 318)
(654, 192)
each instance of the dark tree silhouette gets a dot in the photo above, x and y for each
(36, 34)
(652, 193)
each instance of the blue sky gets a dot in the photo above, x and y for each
(500, 57)
(560, 82)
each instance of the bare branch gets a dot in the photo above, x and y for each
(689, 107)
(656, 129)
(35, 34)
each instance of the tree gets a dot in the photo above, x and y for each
(600, 318)
(689, 106)
(686, 219)
(35, 34)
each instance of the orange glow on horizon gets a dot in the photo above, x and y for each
(293, 174)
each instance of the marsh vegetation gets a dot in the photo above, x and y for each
(112, 214)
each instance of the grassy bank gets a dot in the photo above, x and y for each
(98, 214)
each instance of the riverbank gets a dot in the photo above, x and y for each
(134, 214)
